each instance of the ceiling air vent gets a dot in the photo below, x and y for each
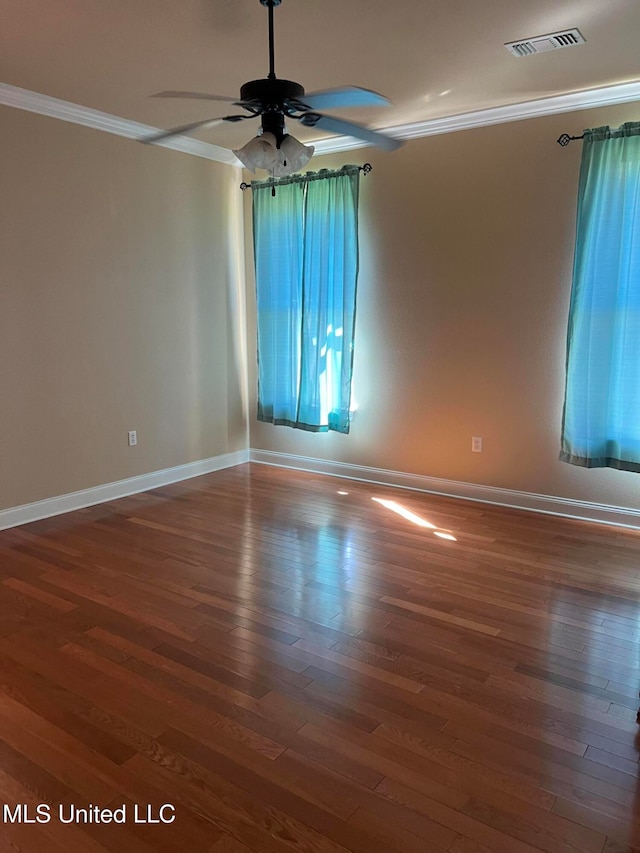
(542, 44)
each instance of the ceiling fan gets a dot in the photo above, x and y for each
(274, 100)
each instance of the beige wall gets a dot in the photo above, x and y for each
(466, 254)
(118, 299)
(120, 308)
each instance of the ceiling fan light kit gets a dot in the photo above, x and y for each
(274, 100)
(263, 152)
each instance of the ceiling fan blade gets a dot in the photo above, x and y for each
(345, 96)
(350, 128)
(183, 129)
(201, 96)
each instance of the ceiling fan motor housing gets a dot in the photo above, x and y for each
(271, 93)
(275, 98)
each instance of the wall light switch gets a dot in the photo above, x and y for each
(476, 444)
(133, 438)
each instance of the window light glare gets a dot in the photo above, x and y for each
(343, 493)
(444, 535)
(394, 506)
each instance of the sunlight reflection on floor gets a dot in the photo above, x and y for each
(394, 506)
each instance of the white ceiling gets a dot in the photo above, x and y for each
(432, 58)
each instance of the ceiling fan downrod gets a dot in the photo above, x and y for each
(271, 4)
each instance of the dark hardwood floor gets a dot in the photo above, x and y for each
(292, 665)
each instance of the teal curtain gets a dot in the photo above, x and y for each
(601, 420)
(306, 258)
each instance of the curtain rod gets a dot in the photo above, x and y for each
(366, 168)
(565, 139)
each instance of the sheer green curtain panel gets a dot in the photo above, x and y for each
(306, 261)
(601, 419)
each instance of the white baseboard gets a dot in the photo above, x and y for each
(583, 510)
(120, 489)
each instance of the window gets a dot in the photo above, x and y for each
(306, 258)
(601, 420)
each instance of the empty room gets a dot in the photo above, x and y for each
(320, 426)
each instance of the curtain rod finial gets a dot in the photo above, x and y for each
(565, 139)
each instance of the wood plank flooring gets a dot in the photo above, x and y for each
(290, 665)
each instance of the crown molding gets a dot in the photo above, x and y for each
(24, 99)
(587, 99)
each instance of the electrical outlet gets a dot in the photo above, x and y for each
(133, 438)
(476, 444)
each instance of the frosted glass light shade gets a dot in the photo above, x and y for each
(262, 152)
(259, 153)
